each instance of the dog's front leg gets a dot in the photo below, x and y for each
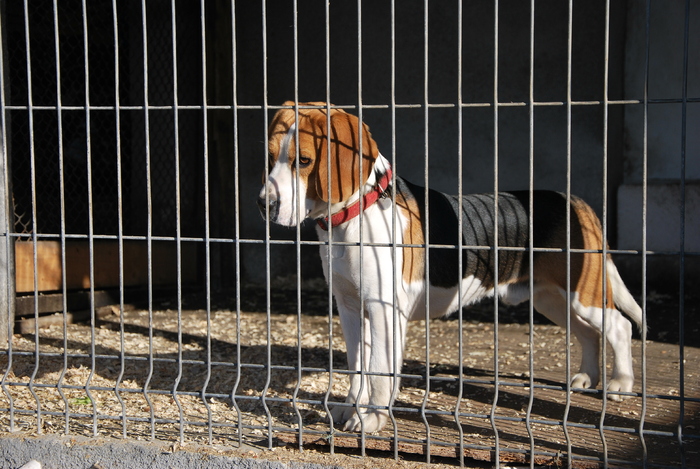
(351, 323)
(387, 330)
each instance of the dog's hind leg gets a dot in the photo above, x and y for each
(618, 331)
(551, 303)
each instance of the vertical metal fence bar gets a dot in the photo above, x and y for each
(460, 237)
(681, 273)
(149, 219)
(268, 332)
(120, 216)
(297, 233)
(178, 220)
(331, 430)
(7, 228)
(426, 240)
(237, 220)
(91, 225)
(494, 405)
(62, 235)
(645, 168)
(569, 60)
(604, 246)
(297, 227)
(32, 164)
(530, 237)
(363, 326)
(207, 215)
(394, 265)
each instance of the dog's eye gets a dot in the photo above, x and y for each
(304, 161)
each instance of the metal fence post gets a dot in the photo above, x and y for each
(7, 264)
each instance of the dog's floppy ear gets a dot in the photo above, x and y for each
(279, 126)
(280, 116)
(344, 155)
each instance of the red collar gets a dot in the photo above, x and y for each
(353, 210)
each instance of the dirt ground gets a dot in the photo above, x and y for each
(154, 389)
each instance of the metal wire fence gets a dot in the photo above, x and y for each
(134, 134)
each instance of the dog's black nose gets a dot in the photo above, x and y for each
(273, 207)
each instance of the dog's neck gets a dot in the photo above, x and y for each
(377, 183)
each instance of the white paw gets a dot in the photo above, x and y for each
(372, 421)
(582, 381)
(342, 414)
(622, 385)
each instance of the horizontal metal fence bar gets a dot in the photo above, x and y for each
(225, 107)
(280, 429)
(430, 412)
(503, 383)
(161, 420)
(292, 242)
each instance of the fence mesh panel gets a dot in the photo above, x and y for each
(153, 302)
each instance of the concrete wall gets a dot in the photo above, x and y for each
(666, 62)
(76, 452)
(672, 133)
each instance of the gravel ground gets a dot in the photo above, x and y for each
(83, 380)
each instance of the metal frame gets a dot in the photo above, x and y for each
(207, 240)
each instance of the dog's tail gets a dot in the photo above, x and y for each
(622, 296)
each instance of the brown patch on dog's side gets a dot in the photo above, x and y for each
(586, 268)
(590, 282)
(413, 268)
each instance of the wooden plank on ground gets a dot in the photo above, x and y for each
(106, 264)
(75, 301)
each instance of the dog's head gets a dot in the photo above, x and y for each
(295, 190)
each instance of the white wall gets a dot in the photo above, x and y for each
(666, 125)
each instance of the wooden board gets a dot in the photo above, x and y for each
(106, 264)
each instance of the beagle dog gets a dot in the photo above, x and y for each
(356, 193)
